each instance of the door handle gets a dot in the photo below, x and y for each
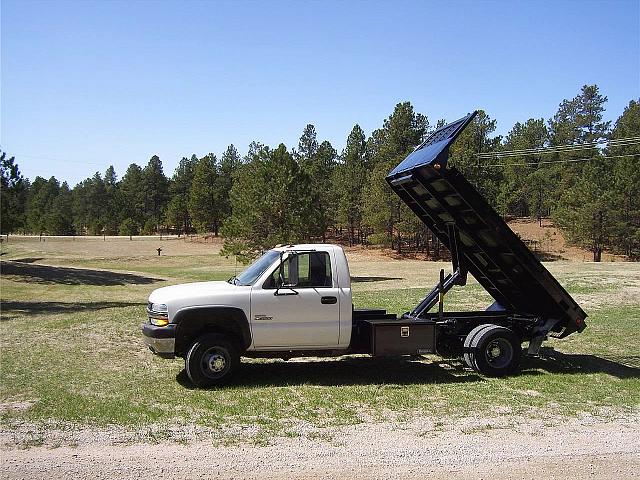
(328, 300)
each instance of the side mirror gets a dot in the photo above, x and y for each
(280, 283)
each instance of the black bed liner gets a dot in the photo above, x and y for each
(487, 248)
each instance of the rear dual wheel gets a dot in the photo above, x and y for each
(492, 350)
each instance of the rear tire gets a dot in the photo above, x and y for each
(468, 353)
(211, 361)
(495, 351)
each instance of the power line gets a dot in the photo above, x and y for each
(621, 142)
(559, 149)
(582, 146)
(549, 162)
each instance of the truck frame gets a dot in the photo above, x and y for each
(530, 304)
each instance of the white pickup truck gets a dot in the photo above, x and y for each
(296, 300)
(293, 298)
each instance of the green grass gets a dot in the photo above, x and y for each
(72, 355)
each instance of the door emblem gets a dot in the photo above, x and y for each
(262, 317)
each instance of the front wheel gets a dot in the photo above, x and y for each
(211, 361)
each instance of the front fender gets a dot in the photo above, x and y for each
(192, 322)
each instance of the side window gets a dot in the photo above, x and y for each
(304, 270)
(274, 278)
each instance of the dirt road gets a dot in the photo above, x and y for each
(577, 448)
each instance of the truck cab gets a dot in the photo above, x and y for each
(313, 279)
(294, 298)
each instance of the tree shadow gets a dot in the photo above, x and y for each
(46, 274)
(28, 259)
(552, 361)
(12, 309)
(373, 279)
(346, 371)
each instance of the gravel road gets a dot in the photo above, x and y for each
(577, 448)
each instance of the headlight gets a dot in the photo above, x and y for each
(158, 314)
(157, 307)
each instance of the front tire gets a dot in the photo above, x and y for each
(211, 361)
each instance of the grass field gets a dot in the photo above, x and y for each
(72, 355)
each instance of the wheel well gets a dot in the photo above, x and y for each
(521, 329)
(194, 322)
(450, 337)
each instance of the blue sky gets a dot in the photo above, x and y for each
(88, 84)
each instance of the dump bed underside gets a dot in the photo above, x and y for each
(487, 247)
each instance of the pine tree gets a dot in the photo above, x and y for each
(41, 206)
(626, 182)
(270, 203)
(318, 162)
(229, 163)
(321, 173)
(59, 218)
(132, 196)
(13, 195)
(156, 190)
(584, 195)
(537, 189)
(204, 207)
(586, 212)
(308, 145)
(111, 213)
(177, 213)
(96, 201)
(128, 227)
(577, 121)
(349, 179)
(383, 211)
(526, 183)
(36, 206)
(476, 138)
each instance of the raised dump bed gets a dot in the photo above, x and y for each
(480, 241)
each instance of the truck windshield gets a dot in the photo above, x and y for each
(257, 268)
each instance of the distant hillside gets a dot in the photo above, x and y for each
(549, 243)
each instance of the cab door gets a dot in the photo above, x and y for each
(298, 304)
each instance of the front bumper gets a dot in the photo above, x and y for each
(160, 340)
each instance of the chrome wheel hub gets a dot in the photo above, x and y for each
(499, 353)
(495, 351)
(214, 362)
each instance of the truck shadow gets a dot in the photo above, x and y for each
(404, 371)
(45, 274)
(372, 279)
(552, 361)
(10, 310)
(346, 371)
